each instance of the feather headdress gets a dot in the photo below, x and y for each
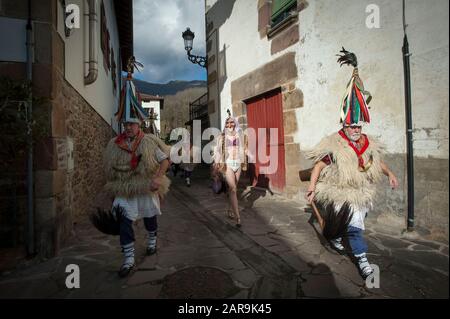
(237, 127)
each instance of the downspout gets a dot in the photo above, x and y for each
(119, 127)
(219, 108)
(30, 193)
(93, 65)
(219, 103)
(409, 135)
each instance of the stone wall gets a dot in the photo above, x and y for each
(68, 170)
(13, 209)
(90, 134)
(14, 202)
(430, 203)
(67, 179)
(69, 174)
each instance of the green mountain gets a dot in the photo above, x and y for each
(170, 88)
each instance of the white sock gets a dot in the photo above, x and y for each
(151, 239)
(128, 252)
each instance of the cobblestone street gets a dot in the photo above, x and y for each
(277, 253)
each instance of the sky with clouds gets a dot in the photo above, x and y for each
(158, 44)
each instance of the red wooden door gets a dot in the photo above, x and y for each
(256, 119)
(266, 112)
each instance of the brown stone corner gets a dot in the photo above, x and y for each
(290, 122)
(292, 99)
(268, 77)
(264, 10)
(301, 5)
(212, 77)
(238, 108)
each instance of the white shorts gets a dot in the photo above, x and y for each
(233, 164)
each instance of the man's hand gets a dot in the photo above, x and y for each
(393, 181)
(310, 194)
(157, 178)
(156, 182)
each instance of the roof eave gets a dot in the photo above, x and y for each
(124, 18)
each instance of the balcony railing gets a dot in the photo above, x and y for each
(198, 109)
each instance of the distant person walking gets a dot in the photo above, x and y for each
(189, 166)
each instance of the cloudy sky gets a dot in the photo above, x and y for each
(158, 44)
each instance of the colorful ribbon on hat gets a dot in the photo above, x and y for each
(354, 109)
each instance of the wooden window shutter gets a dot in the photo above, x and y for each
(279, 6)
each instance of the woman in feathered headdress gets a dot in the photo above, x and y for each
(230, 160)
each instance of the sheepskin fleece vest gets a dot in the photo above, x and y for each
(122, 180)
(341, 181)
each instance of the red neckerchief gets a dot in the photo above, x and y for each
(363, 141)
(121, 141)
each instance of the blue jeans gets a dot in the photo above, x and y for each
(127, 232)
(356, 240)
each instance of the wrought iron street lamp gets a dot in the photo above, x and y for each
(188, 37)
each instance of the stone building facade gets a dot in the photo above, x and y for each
(81, 98)
(285, 47)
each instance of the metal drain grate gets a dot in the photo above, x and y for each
(198, 283)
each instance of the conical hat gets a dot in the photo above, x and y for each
(130, 108)
(354, 109)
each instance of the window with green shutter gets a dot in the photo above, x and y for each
(281, 10)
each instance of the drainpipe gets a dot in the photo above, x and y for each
(93, 69)
(409, 135)
(30, 194)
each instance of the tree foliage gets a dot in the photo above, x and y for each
(15, 123)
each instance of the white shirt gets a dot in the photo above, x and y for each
(358, 217)
(142, 205)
